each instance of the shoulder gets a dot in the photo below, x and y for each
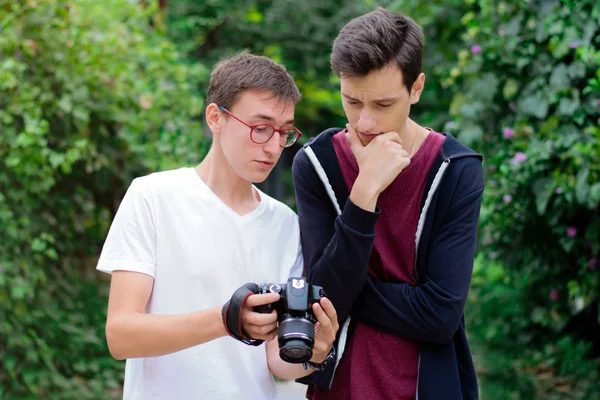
(163, 182)
(321, 145)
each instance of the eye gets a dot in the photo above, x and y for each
(353, 102)
(384, 105)
(261, 128)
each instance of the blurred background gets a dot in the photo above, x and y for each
(94, 93)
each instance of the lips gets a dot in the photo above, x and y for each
(368, 136)
(265, 164)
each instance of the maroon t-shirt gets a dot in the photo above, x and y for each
(377, 365)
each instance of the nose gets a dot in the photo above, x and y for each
(366, 122)
(272, 145)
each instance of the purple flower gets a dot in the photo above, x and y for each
(509, 132)
(493, 255)
(476, 49)
(450, 125)
(598, 103)
(592, 264)
(507, 198)
(512, 105)
(519, 158)
(500, 31)
(574, 44)
(571, 231)
(558, 190)
(553, 295)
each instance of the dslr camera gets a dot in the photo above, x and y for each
(296, 332)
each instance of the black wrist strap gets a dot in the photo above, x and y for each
(232, 314)
(320, 367)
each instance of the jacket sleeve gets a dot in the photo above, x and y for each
(432, 310)
(336, 248)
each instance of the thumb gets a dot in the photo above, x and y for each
(353, 139)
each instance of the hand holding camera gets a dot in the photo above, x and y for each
(304, 321)
(296, 317)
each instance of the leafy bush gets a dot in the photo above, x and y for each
(91, 95)
(527, 94)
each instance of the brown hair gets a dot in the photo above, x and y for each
(373, 40)
(246, 71)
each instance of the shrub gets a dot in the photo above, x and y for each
(91, 95)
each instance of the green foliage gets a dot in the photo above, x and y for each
(527, 94)
(91, 95)
(298, 36)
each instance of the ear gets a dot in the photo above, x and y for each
(417, 89)
(214, 118)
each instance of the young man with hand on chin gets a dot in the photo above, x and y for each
(388, 215)
(183, 241)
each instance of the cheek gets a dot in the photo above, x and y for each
(352, 113)
(236, 147)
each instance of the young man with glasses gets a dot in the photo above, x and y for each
(388, 216)
(183, 241)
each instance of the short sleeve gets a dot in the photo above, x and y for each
(131, 241)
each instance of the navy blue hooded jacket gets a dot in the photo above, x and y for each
(337, 238)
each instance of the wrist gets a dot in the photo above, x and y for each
(319, 357)
(364, 194)
(322, 362)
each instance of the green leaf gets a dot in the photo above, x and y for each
(511, 87)
(582, 187)
(559, 79)
(568, 106)
(542, 189)
(594, 196)
(534, 105)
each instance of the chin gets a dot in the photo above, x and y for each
(260, 180)
(258, 177)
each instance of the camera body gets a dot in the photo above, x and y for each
(296, 333)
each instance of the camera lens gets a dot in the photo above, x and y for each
(295, 351)
(296, 338)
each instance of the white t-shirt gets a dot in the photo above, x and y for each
(172, 227)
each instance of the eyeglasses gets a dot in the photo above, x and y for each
(262, 133)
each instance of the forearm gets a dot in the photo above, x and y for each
(342, 267)
(336, 248)
(424, 313)
(364, 195)
(135, 335)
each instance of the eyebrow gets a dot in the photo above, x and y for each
(383, 100)
(271, 119)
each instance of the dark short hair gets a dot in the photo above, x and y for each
(373, 40)
(245, 71)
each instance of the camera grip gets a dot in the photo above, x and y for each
(232, 314)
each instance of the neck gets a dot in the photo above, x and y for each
(218, 175)
(413, 136)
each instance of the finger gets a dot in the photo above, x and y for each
(401, 152)
(353, 139)
(389, 137)
(260, 330)
(255, 318)
(329, 309)
(322, 316)
(262, 299)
